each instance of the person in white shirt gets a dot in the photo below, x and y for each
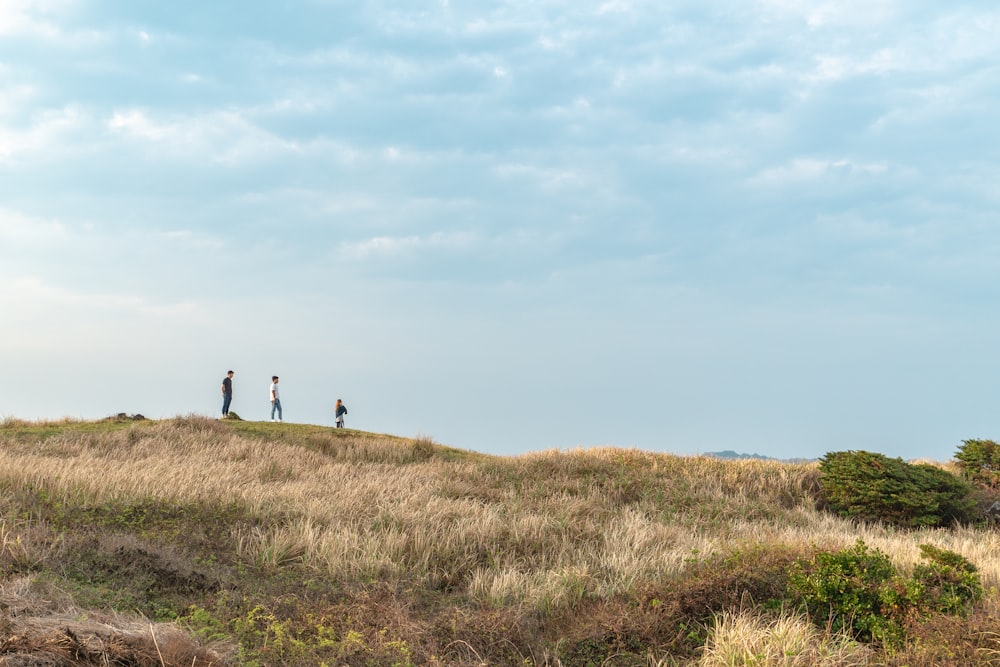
(275, 400)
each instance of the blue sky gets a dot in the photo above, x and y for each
(761, 225)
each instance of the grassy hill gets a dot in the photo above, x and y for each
(197, 542)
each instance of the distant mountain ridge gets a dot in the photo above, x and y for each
(729, 454)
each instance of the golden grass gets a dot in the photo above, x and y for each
(543, 529)
(751, 639)
(546, 530)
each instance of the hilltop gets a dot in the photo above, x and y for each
(197, 542)
(731, 454)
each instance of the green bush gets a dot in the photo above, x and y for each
(980, 461)
(856, 590)
(947, 584)
(874, 487)
(859, 591)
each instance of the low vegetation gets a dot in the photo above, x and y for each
(200, 542)
(874, 487)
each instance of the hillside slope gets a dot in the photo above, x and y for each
(194, 542)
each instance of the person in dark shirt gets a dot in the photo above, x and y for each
(341, 410)
(227, 393)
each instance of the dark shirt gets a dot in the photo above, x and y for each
(342, 410)
(227, 386)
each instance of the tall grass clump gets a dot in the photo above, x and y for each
(782, 640)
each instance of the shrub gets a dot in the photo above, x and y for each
(855, 590)
(980, 461)
(947, 584)
(874, 487)
(858, 591)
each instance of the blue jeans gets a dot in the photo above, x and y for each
(226, 400)
(275, 405)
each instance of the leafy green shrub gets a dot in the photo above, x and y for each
(980, 461)
(874, 487)
(947, 584)
(856, 590)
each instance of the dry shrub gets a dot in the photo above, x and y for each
(26, 544)
(670, 616)
(505, 636)
(754, 573)
(38, 631)
(953, 640)
(423, 447)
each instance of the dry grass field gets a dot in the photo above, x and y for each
(197, 542)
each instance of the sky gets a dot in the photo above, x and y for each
(682, 226)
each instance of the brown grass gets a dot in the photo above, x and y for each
(37, 630)
(546, 534)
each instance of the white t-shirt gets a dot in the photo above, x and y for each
(274, 392)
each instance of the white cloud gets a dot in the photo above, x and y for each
(47, 134)
(882, 61)
(802, 170)
(14, 98)
(221, 136)
(17, 229)
(192, 239)
(405, 247)
(543, 177)
(824, 13)
(232, 137)
(37, 313)
(614, 7)
(28, 17)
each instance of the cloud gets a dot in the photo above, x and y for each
(406, 247)
(189, 239)
(548, 178)
(835, 13)
(802, 170)
(50, 133)
(223, 136)
(18, 229)
(30, 17)
(16, 97)
(39, 315)
(614, 7)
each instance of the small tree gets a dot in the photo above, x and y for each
(980, 461)
(874, 487)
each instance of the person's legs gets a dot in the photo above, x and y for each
(277, 404)
(226, 400)
(274, 406)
